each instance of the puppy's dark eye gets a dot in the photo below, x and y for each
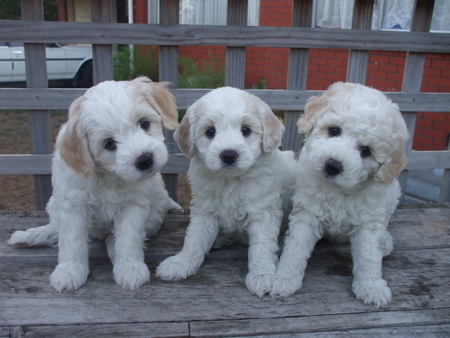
(144, 124)
(110, 144)
(246, 131)
(211, 132)
(334, 131)
(365, 152)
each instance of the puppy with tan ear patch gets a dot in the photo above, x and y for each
(106, 181)
(346, 186)
(240, 183)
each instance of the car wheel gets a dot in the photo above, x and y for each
(85, 77)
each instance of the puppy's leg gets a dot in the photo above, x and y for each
(367, 259)
(130, 270)
(304, 232)
(200, 236)
(73, 256)
(262, 252)
(46, 235)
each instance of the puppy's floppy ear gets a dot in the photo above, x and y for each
(313, 111)
(183, 134)
(273, 129)
(73, 144)
(390, 170)
(162, 101)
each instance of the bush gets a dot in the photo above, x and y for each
(145, 62)
(208, 74)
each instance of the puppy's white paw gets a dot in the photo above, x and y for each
(176, 268)
(69, 276)
(373, 291)
(259, 285)
(131, 274)
(283, 287)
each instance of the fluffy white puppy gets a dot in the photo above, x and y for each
(106, 181)
(346, 186)
(236, 175)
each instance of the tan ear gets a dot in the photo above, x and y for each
(73, 144)
(273, 129)
(388, 172)
(164, 104)
(183, 135)
(313, 111)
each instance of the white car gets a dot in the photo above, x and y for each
(64, 62)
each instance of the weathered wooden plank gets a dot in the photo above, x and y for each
(102, 55)
(41, 164)
(238, 36)
(311, 324)
(358, 59)
(297, 74)
(168, 71)
(152, 330)
(59, 98)
(36, 74)
(235, 56)
(419, 159)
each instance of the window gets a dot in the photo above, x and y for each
(204, 12)
(387, 14)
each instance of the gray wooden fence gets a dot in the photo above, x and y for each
(103, 34)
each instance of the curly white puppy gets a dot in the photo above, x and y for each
(346, 186)
(106, 181)
(236, 175)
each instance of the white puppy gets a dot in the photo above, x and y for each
(106, 181)
(236, 175)
(346, 186)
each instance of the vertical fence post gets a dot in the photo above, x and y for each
(297, 74)
(36, 72)
(358, 59)
(414, 66)
(168, 71)
(235, 56)
(101, 11)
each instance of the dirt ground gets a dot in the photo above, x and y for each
(17, 191)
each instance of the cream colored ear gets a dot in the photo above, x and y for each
(313, 111)
(273, 129)
(183, 135)
(389, 171)
(73, 144)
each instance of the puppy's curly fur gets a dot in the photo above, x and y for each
(346, 186)
(238, 179)
(106, 181)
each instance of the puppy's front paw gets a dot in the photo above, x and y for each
(176, 268)
(283, 287)
(131, 274)
(69, 276)
(373, 291)
(259, 284)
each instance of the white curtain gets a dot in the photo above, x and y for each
(204, 12)
(387, 14)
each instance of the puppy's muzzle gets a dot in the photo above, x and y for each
(333, 167)
(144, 162)
(229, 156)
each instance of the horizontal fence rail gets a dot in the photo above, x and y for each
(236, 36)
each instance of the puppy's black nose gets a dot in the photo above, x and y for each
(333, 167)
(229, 156)
(144, 162)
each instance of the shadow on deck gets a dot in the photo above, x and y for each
(216, 303)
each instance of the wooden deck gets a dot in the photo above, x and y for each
(216, 303)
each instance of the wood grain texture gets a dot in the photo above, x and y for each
(238, 36)
(216, 303)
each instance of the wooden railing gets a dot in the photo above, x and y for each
(103, 34)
